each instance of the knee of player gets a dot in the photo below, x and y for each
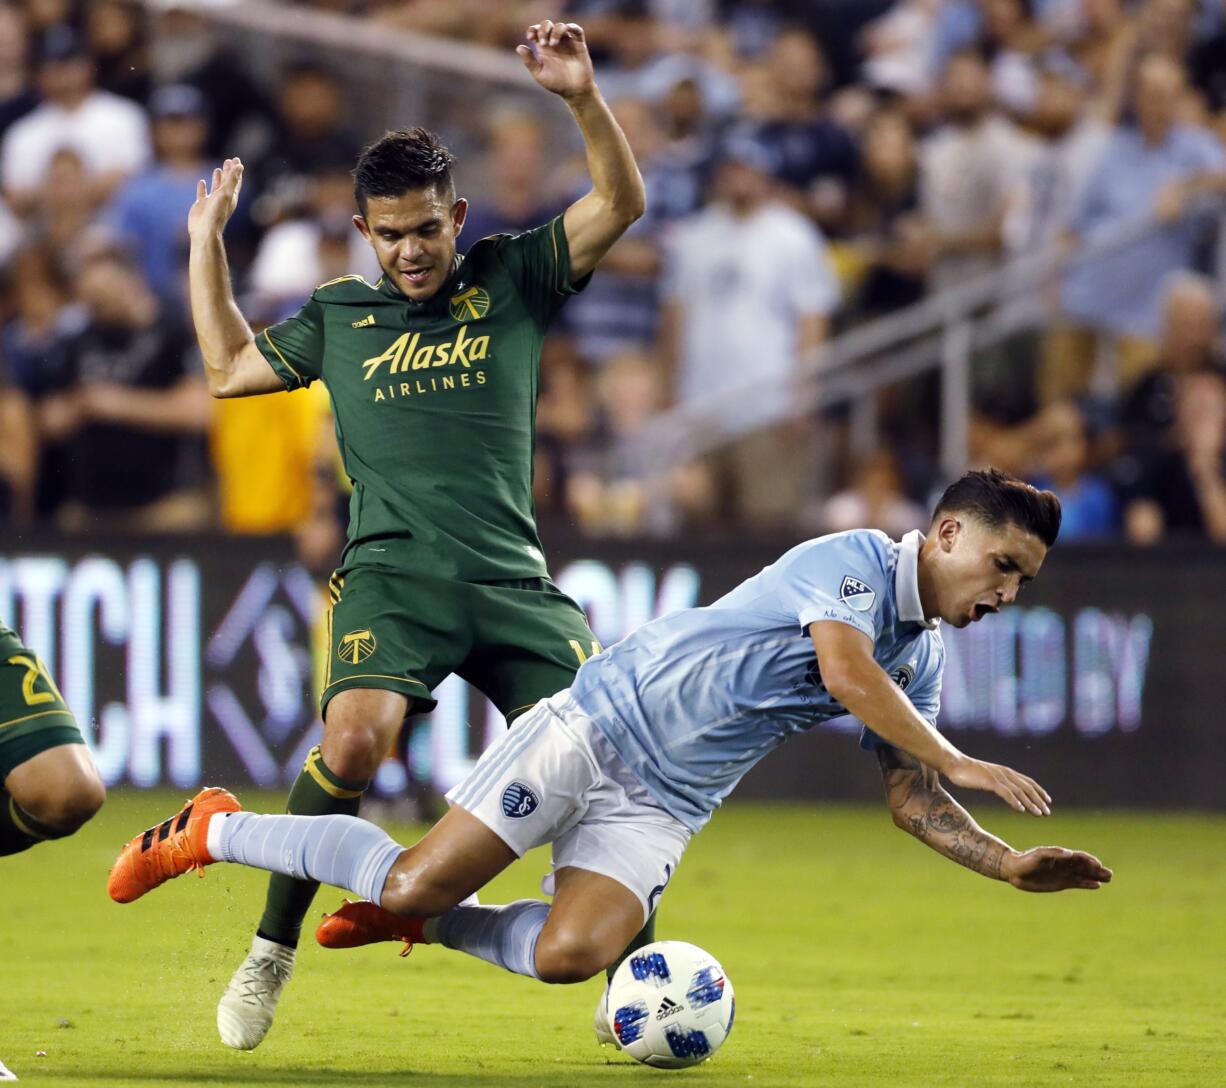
(70, 805)
(409, 890)
(569, 956)
(353, 751)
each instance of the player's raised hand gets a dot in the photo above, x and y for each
(1054, 869)
(215, 203)
(1015, 789)
(558, 59)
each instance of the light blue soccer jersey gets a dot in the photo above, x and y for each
(694, 699)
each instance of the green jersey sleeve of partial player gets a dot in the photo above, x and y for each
(538, 262)
(294, 348)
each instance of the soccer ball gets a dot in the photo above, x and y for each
(670, 1005)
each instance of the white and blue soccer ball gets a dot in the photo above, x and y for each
(670, 1005)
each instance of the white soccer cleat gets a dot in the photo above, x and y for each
(6, 1073)
(246, 1009)
(604, 1029)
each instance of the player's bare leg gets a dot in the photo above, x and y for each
(360, 726)
(49, 796)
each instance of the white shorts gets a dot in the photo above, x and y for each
(555, 778)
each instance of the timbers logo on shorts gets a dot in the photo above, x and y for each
(356, 646)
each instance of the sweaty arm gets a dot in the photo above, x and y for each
(595, 221)
(852, 676)
(922, 808)
(233, 365)
(558, 59)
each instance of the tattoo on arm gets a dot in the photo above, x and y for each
(922, 807)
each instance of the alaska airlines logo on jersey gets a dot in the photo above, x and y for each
(856, 595)
(903, 676)
(518, 801)
(470, 305)
(356, 646)
(405, 354)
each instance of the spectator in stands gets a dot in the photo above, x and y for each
(619, 309)
(686, 154)
(875, 500)
(884, 254)
(115, 30)
(1013, 39)
(276, 463)
(109, 134)
(1153, 169)
(66, 205)
(516, 175)
(1182, 490)
(563, 420)
(1105, 47)
(299, 254)
(813, 156)
(1190, 342)
(748, 294)
(1073, 136)
(150, 211)
(971, 172)
(18, 454)
(899, 49)
(1064, 457)
(130, 410)
(185, 47)
(17, 97)
(308, 134)
(611, 489)
(640, 64)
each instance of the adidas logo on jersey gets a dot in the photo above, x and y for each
(369, 319)
(667, 1008)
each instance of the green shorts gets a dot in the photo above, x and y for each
(33, 716)
(515, 641)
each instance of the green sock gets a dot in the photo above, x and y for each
(316, 792)
(645, 936)
(18, 829)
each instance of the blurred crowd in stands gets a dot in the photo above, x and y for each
(810, 165)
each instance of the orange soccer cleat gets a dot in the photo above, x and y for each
(364, 922)
(171, 848)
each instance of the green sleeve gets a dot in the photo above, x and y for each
(294, 347)
(538, 261)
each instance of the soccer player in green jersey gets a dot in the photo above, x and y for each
(49, 785)
(433, 375)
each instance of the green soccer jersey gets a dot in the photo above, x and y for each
(435, 404)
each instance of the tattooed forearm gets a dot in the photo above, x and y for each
(923, 808)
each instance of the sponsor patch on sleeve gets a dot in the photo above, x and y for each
(856, 594)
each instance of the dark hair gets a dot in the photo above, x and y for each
(998, 499)
(399, 162)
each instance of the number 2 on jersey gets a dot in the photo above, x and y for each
(34, 669)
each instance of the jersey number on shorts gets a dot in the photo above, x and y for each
(34, 669)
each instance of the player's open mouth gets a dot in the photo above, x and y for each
(415, 276)
(981, 610)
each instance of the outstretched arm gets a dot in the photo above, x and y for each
(558, 60)
(233, 365)
(920, 806)
(851, 674)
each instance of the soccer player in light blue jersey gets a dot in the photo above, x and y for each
(622, 768)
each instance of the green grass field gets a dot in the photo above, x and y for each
(858, 957)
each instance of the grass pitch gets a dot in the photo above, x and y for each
(858, 957)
